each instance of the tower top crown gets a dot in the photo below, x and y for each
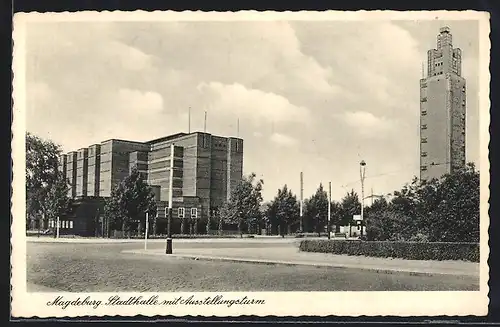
(444, 29)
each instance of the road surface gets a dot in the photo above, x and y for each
(73, 267)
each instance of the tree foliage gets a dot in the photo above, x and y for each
(283, 211)
(243, 207)
(316, 210)
(444, 210)
(349, 206)
(46, 188)
(129, 200)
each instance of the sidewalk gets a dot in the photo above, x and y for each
(288, 255)
(265, 239)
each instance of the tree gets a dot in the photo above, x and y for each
(385, 225)
(439, 210)
(129, 200)
(316, 209)
(42, 176)
(243, 207)
(456, 216)
(349, 206)
(57, 201)
(283, 211)
(336, 213)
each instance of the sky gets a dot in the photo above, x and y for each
(310, 96)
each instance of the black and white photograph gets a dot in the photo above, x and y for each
(250, 163)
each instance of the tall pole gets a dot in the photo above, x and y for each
(238, 128)
(329, 208)
(301, 201)
(146, 232)
(170, 199)
(362, 175)
(57, 227)
(189, 120)
(205, 123)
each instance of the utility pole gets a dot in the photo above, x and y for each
(238, 128)
(301, 201)
(189, 120)
(329, 208)
(205, 123)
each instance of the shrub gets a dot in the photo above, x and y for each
(403, 250)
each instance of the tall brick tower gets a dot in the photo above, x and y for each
(442, 110)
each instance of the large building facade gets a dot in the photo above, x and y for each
(195, 171)
(442, 110)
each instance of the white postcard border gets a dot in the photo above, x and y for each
(276, 303)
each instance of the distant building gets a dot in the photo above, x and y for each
(442, 110)
(202, 168)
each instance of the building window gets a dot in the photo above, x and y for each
(71, 224)
(424, 140)
(180, 212)
(424, 112)
(424, 154)
(424, 99)
(423, 168)
(424, 126)
(194, 212)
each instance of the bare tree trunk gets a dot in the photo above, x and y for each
(239, 229)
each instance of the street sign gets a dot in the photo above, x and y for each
(356, 217)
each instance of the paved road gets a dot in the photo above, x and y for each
(103, 267)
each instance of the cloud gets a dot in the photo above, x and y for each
(366, 124)
(284, 140)
(88, 81)
(256, 104)
(40, 91)
(129, 57)
(138, 102)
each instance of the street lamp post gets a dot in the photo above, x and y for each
(362, 167)
(170, 200)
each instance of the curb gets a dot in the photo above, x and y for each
(300, 263)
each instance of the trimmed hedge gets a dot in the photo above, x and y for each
(403, 250)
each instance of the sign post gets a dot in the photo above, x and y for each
(57, 227)
(146, 232)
